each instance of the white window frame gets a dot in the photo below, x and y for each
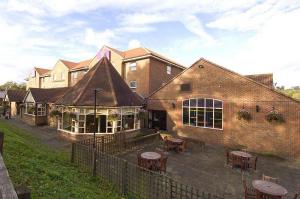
(189, 108)
(41, 110)
(169, 70)
(54, 77)
(132, 66)
(75, 75)
(133, 87)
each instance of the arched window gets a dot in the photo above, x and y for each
(203, 112)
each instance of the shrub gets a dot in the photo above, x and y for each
(244, 114)
(55, 113)
(275, 116)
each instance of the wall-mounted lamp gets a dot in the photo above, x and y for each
(257, 108)
(201, 66)
(173, 105)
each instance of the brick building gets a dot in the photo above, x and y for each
(204, 101)
(142, 69)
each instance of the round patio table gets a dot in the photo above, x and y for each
(241, 154)
(151, 156)
(176, 140)
(263, 187)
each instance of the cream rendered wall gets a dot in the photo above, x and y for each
(33, 82)
(58, 70)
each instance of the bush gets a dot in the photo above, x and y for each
(55, 113)
(244, 114)
(275, 116)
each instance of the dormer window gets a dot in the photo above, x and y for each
(169, 70)
(132, 66)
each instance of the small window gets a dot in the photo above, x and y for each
(132, 66)
(169, 70)
(74, 74)
(185, 87)
(132, 85)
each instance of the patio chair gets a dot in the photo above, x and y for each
(249, 192)
(170, 145)
(183, 146)
(270, 179)
(228, 158)
(252, 163)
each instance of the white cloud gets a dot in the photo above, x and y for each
(98, 39)
(134, 44)
(274, 48)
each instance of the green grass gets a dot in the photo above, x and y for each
(47, 172)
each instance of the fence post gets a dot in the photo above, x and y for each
(102, 144)
(72, 152)
(1, 142)
(124, 179)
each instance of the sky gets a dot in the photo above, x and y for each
(246, 36)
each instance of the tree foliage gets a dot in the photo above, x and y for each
(10, 85)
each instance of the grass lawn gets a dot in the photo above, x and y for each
(47, 172)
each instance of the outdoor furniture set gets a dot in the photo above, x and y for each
(155, 161)
(241, 159)
(266, 188)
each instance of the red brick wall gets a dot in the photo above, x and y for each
(235, 91)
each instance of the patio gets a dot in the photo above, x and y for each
(207, 171)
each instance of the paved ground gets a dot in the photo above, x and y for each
(208, 172)
(47, 135)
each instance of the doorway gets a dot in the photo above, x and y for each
(158, 119)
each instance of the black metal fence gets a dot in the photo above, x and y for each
(129, 179)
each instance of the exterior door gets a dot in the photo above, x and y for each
(158, 119)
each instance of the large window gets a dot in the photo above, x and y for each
(206, 113)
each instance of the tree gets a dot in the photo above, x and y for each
(10, 85)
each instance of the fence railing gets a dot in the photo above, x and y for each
(129, 179)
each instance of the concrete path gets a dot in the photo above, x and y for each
(47, 135)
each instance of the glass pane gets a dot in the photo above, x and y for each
(218, 104)
(209, 117)
(186, 103)
(209, 103)
(218, 119)
(200, 102)
(193, 121)
(193, 112)
(185, 115)
(200, 117)
(193, 102)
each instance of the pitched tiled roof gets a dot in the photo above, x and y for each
(16, 95)
(47, 95)
(42, 71)
(78, 65)
(266, 79)
(115, 92)
(140, 52)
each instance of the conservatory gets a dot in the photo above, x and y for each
(117, 107)
(108, 120)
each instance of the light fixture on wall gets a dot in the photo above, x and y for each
(201, 66)
(173, 105)
(257, 108)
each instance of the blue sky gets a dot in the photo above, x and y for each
(246, 36)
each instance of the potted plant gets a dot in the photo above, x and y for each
(31, 110)
(244, 114)
(275, 116)
(112, 117)
(55, 113)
